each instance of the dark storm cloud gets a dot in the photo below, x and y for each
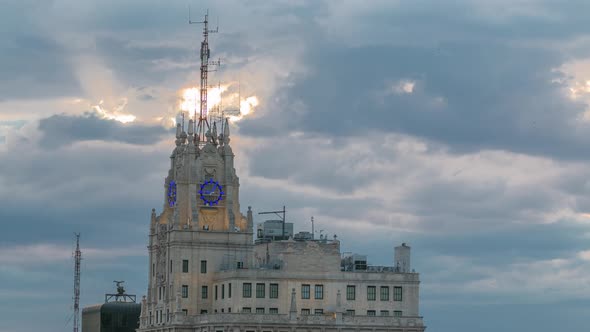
(473, 205)
(32, 64)
(521, 242)
(480, 83)
(138, 65)
(64, 129)
(474, 96)
(477, 84)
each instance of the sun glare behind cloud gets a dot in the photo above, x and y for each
(116, 114)
(190, 102)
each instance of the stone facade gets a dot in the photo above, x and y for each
(206, 273)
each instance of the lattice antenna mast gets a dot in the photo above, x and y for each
(77, 261)
(202, 125)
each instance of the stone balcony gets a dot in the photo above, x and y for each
(283, 319)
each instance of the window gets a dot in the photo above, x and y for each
(305, 291)
(319, 292)
(370, 312)
(240, 265)
(185, 312)
(259, 310)
(203, 312)
(222, 291)
(350, 312)
(203, 266)
(350, 292)
(384, 313)
(384, 293)
(204, 292)
(371, 293)
(274, 291)
(185, 266)
(260, 291)
(318, 312)
(397, 313)
(246, 310)
(228, 309)
(184, 291)
(304, 312)
(397, 293)
(170, 266)
(153, 270)
(215, 292)
(229, 290)
(273, 310)
(247, 290)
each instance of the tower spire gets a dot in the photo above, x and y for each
(202, 125)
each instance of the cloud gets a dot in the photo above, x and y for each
(61, 130)
(450, 126)
(47, 253)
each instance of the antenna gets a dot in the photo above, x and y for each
(77, 260)
(203, 124)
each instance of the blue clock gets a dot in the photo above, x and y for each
(172, 193)
(211, 192)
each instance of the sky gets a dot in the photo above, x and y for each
(459, 127)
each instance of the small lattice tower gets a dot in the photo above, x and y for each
(77, 261)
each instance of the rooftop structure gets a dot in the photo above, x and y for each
(119, 313)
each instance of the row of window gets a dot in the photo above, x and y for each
(318, 291)
(305, 292)
(205, 291)
(372, 293)
(184, 267)
(260, 290)
(396, 313)
(260, 310)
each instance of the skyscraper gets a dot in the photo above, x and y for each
(206, 273)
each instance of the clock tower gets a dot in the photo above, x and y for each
(202, 188)
(200, 229)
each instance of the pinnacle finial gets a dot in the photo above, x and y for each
(293, 307)
(226, 131)
(190, 127)
(178, 130)
(214, 133)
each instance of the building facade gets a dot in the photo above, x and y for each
(207, 274)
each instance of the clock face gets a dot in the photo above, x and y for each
(172, 193)
(211, 192)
